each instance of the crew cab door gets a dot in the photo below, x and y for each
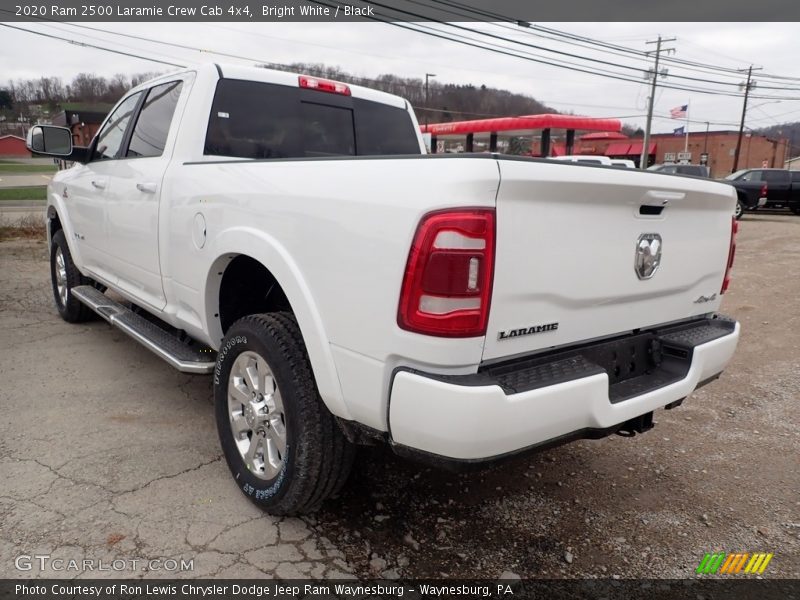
(132, 210)
(778, 185)
(88, 188)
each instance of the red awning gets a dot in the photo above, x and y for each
(604, 135)
(523, 123)
(619, 149)
(636, 148)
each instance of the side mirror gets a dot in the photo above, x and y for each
(49, 140)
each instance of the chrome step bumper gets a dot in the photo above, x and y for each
(177, 353)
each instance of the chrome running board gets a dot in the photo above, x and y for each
(180, 355)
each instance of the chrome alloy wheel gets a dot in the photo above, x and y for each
(739, 210)
(61, 277)
(256, 415)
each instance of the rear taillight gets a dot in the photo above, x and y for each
(447, 285)
(731, 252)
(323, 85)
(764, 190)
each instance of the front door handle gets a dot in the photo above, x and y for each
(99, 184)
(147, 188)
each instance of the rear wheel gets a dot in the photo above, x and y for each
(65, 276)
(739, 211)
(282, 445)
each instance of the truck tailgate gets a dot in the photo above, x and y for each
(566, 253)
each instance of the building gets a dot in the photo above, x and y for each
(757, 151)
(793, 164)
(719, 147)
(83, 119)
(13, 146)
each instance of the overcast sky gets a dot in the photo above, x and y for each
(370, 49)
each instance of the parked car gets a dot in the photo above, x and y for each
(677, 169)
(770, 188)
(585, 159)
(289, 236)
(623, 163)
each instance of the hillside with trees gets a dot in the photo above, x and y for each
(34, 98)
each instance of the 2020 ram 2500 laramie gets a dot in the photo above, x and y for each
(288, 235)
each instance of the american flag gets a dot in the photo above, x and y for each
(679, 111)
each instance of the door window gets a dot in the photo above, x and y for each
(152, 126)
(775, 176)
(110, 138)
(751, 176)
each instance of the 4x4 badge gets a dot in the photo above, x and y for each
(648, 255)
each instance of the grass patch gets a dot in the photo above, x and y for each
(19, 169)
(24, 193)
(29, 227)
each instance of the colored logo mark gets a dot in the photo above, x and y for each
(731, 564)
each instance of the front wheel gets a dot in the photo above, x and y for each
(65, 276)
(282, 445)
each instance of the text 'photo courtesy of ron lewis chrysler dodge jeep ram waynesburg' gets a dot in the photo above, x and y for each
(343, 287)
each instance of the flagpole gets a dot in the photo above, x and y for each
(686, 143)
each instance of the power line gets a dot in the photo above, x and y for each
(605, 46)
(86, 45)
(508, 52)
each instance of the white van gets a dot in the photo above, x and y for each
(586, 159)
(623, 162)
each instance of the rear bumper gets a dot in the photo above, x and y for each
(530, 403)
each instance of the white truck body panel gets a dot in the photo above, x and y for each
(565, 253)
(336, 233)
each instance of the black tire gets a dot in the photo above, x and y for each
(70, 309)
(739, 210)
(795, 209)
(318, 457)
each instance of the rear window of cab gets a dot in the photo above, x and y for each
(262, 120)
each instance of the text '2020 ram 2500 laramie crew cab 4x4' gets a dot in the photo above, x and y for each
(354, 289)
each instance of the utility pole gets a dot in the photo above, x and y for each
(646, 144)
(747, 87)
(427, 76)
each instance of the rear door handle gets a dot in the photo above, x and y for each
(99, 184)
(147, 188)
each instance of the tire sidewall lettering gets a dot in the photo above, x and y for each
(223, 352)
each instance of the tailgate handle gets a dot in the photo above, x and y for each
(661, 198)
(655, 201)
(650, 210)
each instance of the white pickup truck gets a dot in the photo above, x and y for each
(289, 235)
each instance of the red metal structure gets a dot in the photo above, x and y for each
(516, 126)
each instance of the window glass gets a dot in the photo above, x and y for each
(752, 176)
(261, 120)
(327, 130)
(110, 137)
(152, 126)
(382, 129)
(253, 120)
(775, 176)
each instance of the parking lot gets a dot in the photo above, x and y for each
(107, 453)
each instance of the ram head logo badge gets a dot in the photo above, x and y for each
(648, 255)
